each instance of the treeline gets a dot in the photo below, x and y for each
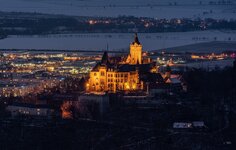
(217, 84)
(25, 24)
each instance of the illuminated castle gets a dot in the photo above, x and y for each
(112, 75)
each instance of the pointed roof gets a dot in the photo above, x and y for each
(136, 39)
(105, 58)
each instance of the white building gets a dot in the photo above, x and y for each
(182, 125)
(101, 99)
(92, 105)
(30, 109)
(198, 124)
(189, 125)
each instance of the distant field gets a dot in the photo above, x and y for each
(118, 41)
(208, 65)
(208, 47)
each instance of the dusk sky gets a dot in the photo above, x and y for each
(148, 8)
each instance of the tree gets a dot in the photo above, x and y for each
(235, 64)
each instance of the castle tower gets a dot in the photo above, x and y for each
(135, 51)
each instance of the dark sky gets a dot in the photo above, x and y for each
(147, 8)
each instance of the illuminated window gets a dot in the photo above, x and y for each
(102, 73)
(111, 86)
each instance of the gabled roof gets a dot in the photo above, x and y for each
(152, 77)
(173, 81)
(126, 68)
(142, 68)
(96, 68)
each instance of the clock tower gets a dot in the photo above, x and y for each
(135, 51)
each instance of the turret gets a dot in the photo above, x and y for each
(105, 58)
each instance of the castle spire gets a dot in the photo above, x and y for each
(136, 39)
(105, 58)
